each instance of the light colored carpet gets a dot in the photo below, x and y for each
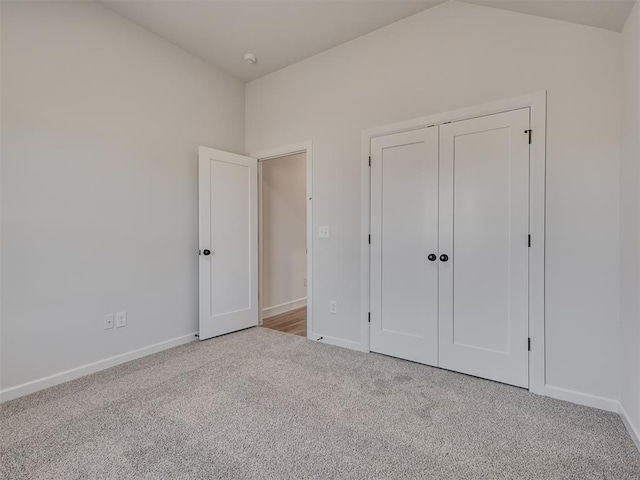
(265, 404)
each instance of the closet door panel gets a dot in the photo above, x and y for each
(484, 226)
(404, 220)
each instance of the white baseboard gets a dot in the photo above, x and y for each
(338, 342)
(585, 399)
(72, 374)
(269, 312)
(633, 430)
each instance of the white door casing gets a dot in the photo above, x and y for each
(484, 228)
(404, 232)
(266, 155)
(228, 237)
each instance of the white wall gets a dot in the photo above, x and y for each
(284, 227)
(630, 220)
(452, 56)
(101, 121)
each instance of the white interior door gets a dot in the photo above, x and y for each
(484, 228)
(228, 234)
(404, 228)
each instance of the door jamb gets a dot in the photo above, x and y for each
(307, 148)
(537, 102)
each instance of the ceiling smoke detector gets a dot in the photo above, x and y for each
(250, 58)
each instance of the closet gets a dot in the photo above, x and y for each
(450, 246)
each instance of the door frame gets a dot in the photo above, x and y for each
(307, 149)
(537, 102)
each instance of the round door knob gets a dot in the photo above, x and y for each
(432, 257)
(206, 252)
(444, 257)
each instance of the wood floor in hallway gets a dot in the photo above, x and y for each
(294, 322)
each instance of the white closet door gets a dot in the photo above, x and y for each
(228, 231)
(404, 228)
(484, 227)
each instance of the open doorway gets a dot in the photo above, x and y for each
(284, 249)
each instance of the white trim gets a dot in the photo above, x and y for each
(537, 223)
(633, 431)
(269, 312)
(303, 147)
(580, 398)
(283, 151)
(365, 251)
(537, 102)
(72, 374)
(338, 342)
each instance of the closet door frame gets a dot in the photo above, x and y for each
(537, 102)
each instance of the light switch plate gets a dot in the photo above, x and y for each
(323, 232)
(121, 319)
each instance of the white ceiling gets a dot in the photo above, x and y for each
(282, 32)
(279, 32)
(608, 14)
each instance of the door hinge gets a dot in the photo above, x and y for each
(529, 132)
(529, 242)
(369, 317)
(369, 239)
(369, 160)
(529, 344)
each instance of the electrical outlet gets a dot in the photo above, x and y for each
(323, 232)
(108, 321)
(121, 319)
(333, 306)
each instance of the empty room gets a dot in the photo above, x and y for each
(291, 239)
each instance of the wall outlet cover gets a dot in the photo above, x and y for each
(108, 321)
(323, 232)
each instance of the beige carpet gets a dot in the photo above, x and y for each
(265, 404)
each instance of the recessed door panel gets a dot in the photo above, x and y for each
(484, 226)
(482, 240)
(404, 284)
(231, 234)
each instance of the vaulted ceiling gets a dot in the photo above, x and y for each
(282, 32)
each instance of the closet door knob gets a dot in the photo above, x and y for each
(206, 252)
(444, 257)
(432, 257)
